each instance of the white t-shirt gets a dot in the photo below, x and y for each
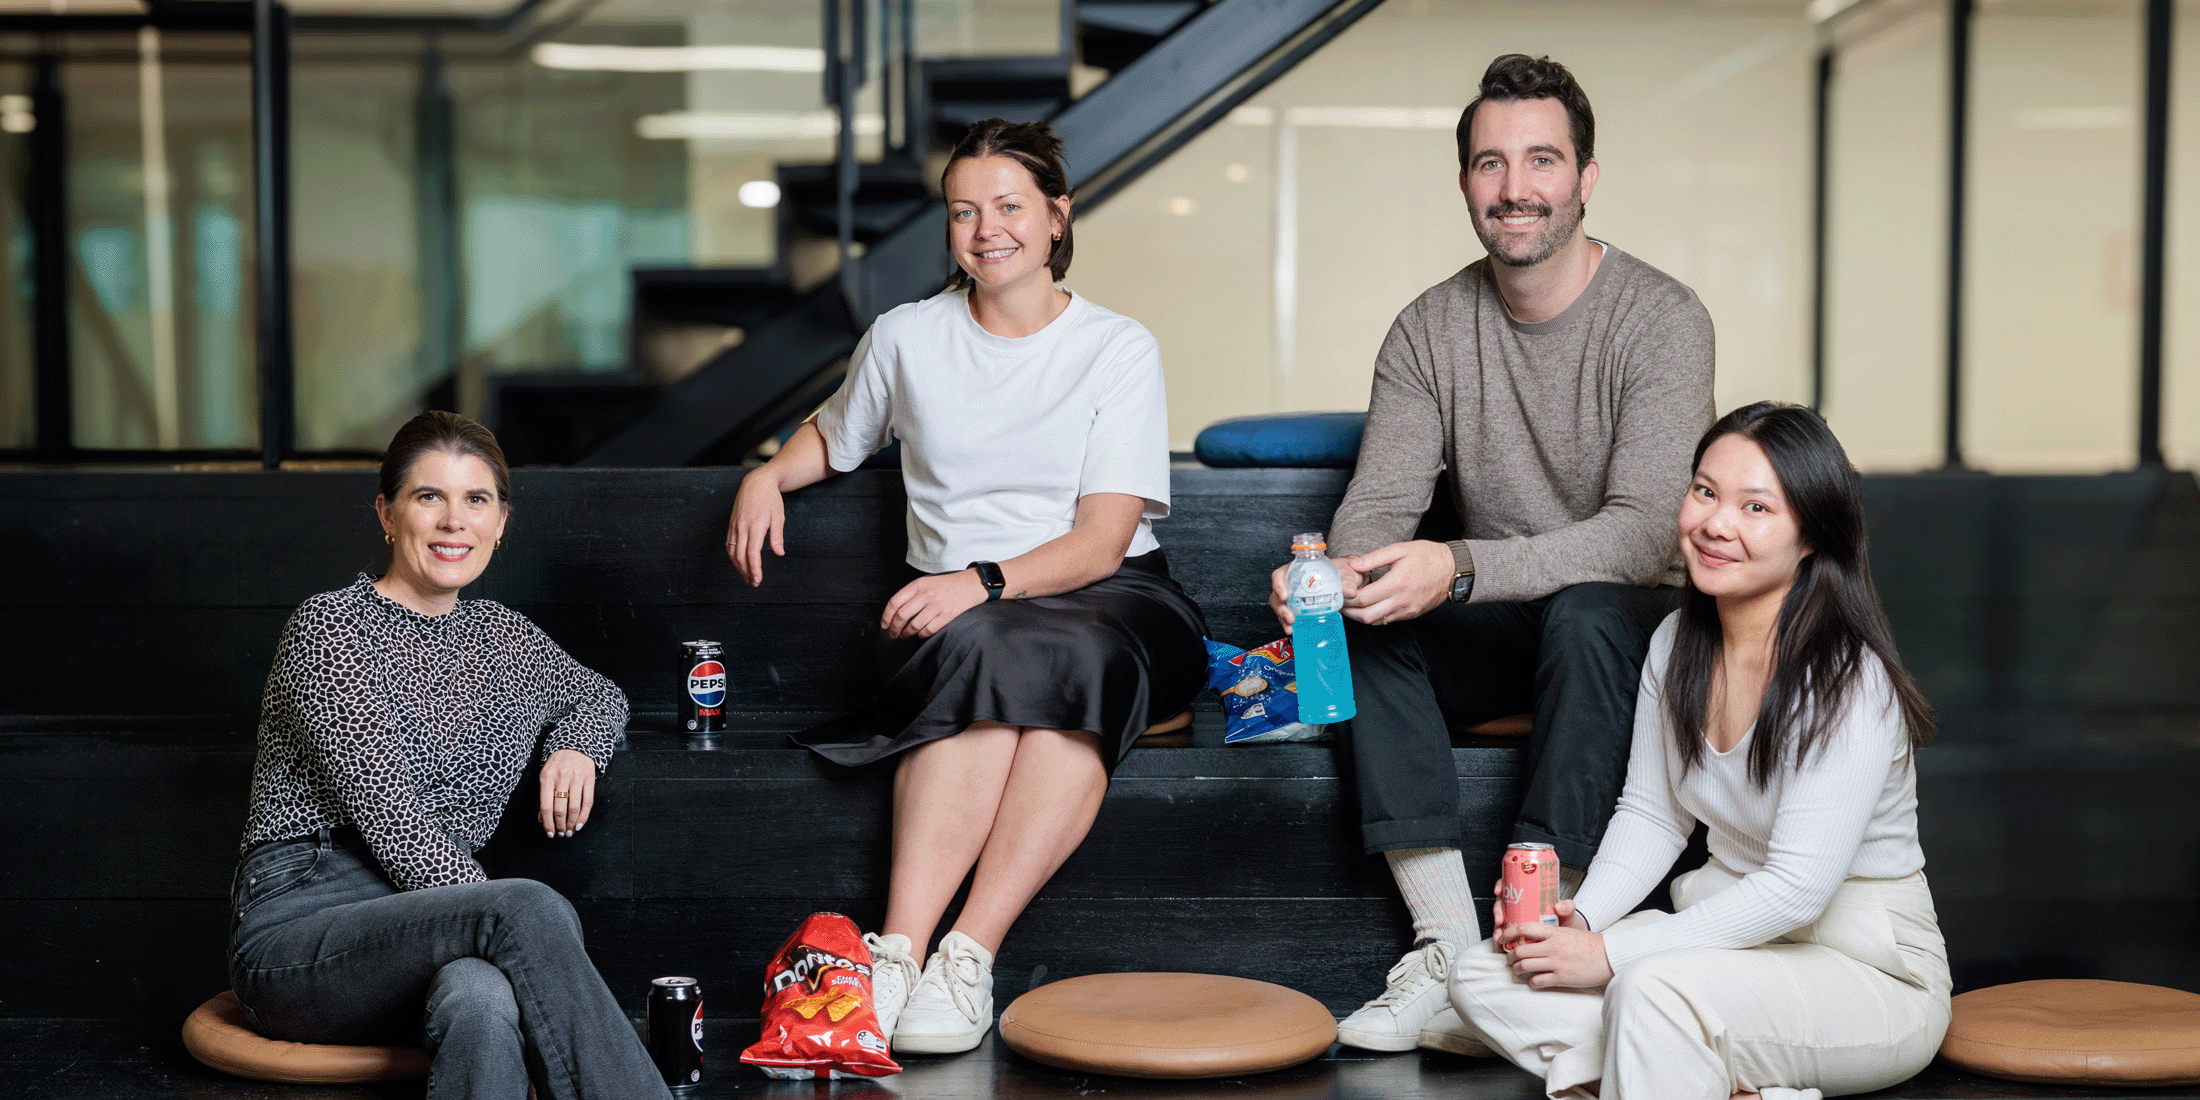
(1001, 436)
(1850, 811)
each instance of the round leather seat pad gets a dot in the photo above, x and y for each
(1167, 1025)
(2077, 1031)
(217, 1034)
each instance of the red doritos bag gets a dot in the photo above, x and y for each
(818, 1019)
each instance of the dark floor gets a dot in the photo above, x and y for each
(52, 1059)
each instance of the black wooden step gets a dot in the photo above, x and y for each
(888, 193)
(736, 297)
(1113, 33)
(1241, 860)
(962, 91)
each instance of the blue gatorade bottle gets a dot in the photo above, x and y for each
(1317, 632)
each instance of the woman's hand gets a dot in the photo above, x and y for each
(1566, 957)
(759, 517)
(568, 791)
(1506, 933)
(926, 604)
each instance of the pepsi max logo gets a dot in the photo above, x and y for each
(707, 683)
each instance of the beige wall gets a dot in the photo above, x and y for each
(2181, 335)
(2051, 291)
(1703, 134)
(1887, 233)
(1704, 114)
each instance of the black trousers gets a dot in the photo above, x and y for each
(1574, 658)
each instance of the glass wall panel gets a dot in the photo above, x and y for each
(355, 247)
(1886, 238)
(2051, 301)
(560, 194)
(159, 205)
(18, 377)
(209, 120)
(1704, 137)
(627, 138)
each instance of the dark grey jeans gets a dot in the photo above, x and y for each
(1573, 657)
(490, 976)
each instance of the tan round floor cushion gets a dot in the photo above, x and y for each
(1167, 1025)
(2078, 1032)
(218, 1035)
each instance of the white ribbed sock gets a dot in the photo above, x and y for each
(1434, 882)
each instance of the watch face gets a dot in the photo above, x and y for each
(1461, 586)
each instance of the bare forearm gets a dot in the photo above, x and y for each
(1090, 551)
(801, 460)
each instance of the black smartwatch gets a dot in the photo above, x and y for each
(1462, 586)
(989, 574)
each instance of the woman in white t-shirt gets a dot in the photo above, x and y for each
(1805, 955)
(1046, 632)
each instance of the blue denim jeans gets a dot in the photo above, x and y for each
(491, 976)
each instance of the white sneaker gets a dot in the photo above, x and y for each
(951, 1008)
(893, 974)
(1416, 991)
(1445, 1031)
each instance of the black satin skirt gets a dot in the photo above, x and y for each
(1113, 657)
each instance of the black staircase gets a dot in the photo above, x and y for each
(1177, 66)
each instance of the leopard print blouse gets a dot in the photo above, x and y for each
(415, 729)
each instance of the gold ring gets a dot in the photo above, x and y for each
(1384, 621)
(560, 794)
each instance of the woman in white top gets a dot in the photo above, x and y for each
(1046, 632)
(1805, 955)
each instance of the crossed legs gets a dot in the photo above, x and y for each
(1010, 802)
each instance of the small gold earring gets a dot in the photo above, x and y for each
(499, 545)
(387, 540)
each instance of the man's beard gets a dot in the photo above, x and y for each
(1558, 228)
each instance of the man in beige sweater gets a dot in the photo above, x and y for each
(1564, 384)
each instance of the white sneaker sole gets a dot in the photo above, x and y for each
(905, 1043)
(1376, 1040)
(1454, 1044)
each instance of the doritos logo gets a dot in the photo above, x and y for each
(809, 966)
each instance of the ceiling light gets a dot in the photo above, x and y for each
(680, 59)
(759, 194)
(752, 125)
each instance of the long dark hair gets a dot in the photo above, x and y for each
(1829, 621)
(1033, 145)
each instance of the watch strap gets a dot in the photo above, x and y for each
(990, 575)
(1462, 556)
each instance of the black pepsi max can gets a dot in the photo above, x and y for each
(702, 688)
(674, 1018)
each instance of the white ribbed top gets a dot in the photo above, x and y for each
(1849, 812)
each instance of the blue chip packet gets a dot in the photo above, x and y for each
(1259, 692)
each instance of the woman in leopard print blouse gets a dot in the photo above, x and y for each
(396, 724)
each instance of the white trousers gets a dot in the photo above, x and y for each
(1855, 1002)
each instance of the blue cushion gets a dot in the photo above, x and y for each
(1283, 439)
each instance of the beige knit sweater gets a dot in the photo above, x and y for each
(1569, 439)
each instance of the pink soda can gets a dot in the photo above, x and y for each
(1530, 884)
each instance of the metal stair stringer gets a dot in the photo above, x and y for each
(1215, 61)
